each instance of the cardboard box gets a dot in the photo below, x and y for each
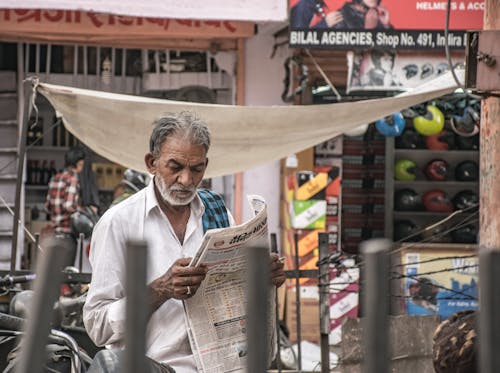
(314, 185)
(309, 214)
(108, 175)
(344, 300)
(309, 314)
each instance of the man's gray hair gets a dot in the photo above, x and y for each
(184, 123)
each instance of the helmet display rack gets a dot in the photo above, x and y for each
(425, 183)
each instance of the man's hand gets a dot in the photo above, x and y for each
(277, 272)
(333, 18)
(179, 282)
(383, 16)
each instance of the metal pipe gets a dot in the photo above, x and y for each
(85, 67)
(75, 65)
(34, 255)
(48, 61)
(123, 82)
(37, 59)
(257, 308)
(81, 243)
(26, 61)
(23, 119)
(324, 301)
(274, 249)
(98, 68)
(489, 304)
(375, 299)
(113, 61)
(297, 302)
(136, 310)
(49, 276)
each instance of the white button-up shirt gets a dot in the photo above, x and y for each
(140, 217)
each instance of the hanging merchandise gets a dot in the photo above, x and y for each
(436, 234)
(436, 170)
(467, 143)
(466, 199)
(467, 171)
(410, 139)
(392, 125)
(407, 200)
(467, 124)
(431, 123)
(404, 170)
(444, 140)
(289, 92)
(437, 200)
(406, 230)
(466, 234)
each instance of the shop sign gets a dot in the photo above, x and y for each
(440, 283)
(90, 25)
(234, 10)
(390, 24)
(387, 70)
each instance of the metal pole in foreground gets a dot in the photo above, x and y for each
(324, 301)
(49, 277)
(137, 311)
(274, 249)
(489, 306)
(375, 299)
(81, 243)
(297, 303)
(257, 308)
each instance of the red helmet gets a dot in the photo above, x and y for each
(436, 170)
(437, 201)
(444, 140)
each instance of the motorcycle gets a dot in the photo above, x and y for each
(64, 352)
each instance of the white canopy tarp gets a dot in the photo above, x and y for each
(118, 126)
(234, 10)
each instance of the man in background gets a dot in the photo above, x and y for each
(63, 197)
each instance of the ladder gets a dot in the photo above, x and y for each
(9, 135)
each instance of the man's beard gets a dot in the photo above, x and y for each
(168, 193)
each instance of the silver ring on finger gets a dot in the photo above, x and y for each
(188, 290)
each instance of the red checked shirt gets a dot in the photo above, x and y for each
(63, 199)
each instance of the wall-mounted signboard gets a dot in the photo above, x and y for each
(392, 24)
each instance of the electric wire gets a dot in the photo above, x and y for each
(447, 46)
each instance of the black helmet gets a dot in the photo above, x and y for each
(405, 230)
(467, 171)
(83, 221)
(135, 180)
(467, 143)
(466, 234)
(465, 199)
(407, 200)
(410, 139)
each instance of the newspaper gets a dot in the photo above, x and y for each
(216, 314)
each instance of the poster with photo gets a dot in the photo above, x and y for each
(386, 70)
(409, 24)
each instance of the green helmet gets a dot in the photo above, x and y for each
(431, 123)
(404, 170)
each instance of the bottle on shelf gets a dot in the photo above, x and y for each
(52, 169)
(35, 173)
(30, 138)
(44, 173)
(29, 172)
(38, 134)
